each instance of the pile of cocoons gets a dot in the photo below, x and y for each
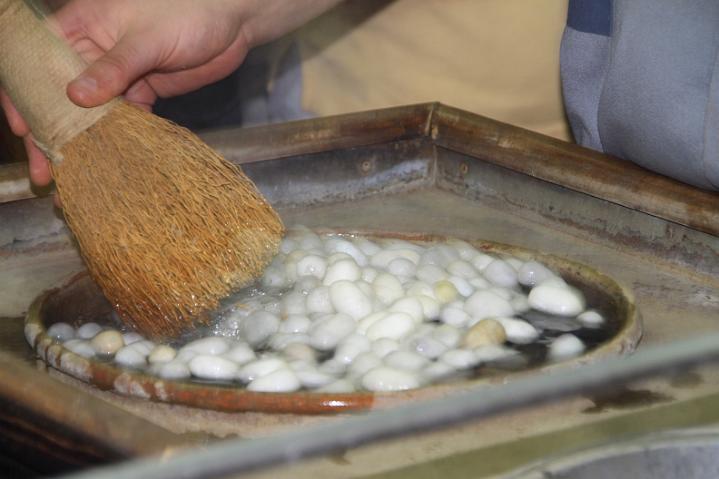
(344, 313)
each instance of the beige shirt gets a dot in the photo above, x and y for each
(498, 58)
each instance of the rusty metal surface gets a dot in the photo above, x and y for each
(575, 167)
(530, 153)
(469, 177)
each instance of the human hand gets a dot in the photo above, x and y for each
(145, 49)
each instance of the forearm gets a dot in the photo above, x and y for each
(274, 18)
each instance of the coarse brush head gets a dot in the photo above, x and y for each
(166, 226)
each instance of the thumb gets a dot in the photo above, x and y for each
(111, 74)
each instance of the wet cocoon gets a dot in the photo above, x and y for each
(343, 313)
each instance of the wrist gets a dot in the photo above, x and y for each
(271, 19)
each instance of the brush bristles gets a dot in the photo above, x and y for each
(167, 227)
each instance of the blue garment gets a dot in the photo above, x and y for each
(641, 82)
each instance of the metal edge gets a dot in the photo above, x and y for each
(278, 140)
(316, 135)
(551, 466)
(577, 168)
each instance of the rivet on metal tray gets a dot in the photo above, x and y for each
(463, 168)
(366, 166)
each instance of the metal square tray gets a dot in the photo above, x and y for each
(425, 168)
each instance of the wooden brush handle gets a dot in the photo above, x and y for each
(35, 68)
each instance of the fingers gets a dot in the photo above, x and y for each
(183, 81)
(69, 20)
(38, 165)
(111, 74)
(141, 94)
(17, 124)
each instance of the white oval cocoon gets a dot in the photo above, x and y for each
(430, 273)
(162, 354)
(131, 337)
(312, 265)
(387, 288)
(107, 342)
(556, 299)
(438, 370)
(464, 287)
(279, 381)
(459, 358)
(518, 331)
(173, 370)
(342, 270)
(299, 351)
(447, 335)
(351, 347)
(389, 379)
(369, 274)
(410, 305)
(81, 347)
(338, 386)
(130, 357)
(87, 330)
(318, 301)
(482, 260)
(259, 368)
(339, 245)
(274, 277)
(209, 345)
(591, 319)
(430, 307)
(533, 272)
(327, 333)
(280, 341)
(566, 346)
(143, 346)
(240, 353)
(501, 273)
(485, 304)
(288, 245)
(454, 316)
(401, 267)
(465, 250)
(462, 269)
(445, 291)
(363, 363)
(213, 367)
(365, 323)
(311, 378)
(429, 347)
(62, 332)
(368, 247)
(292, 303)
(347, 298)
(383, 346)
(405, 360)
(393, 326)
(296, 323)
(257, 328)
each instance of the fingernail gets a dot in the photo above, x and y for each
(84, 86)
